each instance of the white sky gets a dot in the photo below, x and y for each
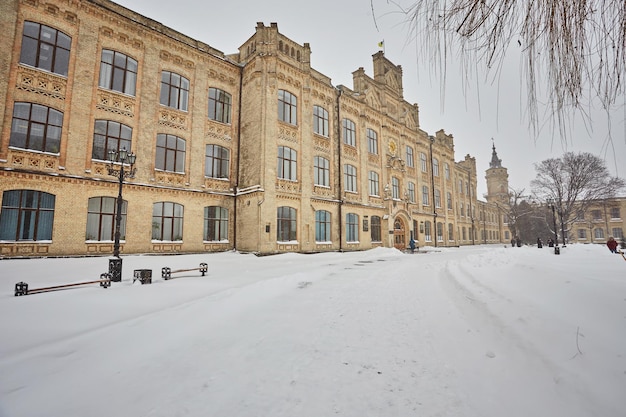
(476, 331)
(344, 35)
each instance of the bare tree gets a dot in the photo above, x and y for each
(573, 182)
(577, 47)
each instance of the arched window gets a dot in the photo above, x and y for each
(286, 224)
(287, 107)
(352, 227)
(167, 221)
(118, 72)
(36, 127)
(174, 91)
(26, 215)
(45, 48)
(215, 224)
(320, 121)
(375, 230)
(109, 135)
(287, 164)
(101, 212)
(321, 171)
(170, 153)
(220, 103)
(348, 131)
(216, 163)
(322, 226)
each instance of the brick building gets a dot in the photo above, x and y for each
(254, 151)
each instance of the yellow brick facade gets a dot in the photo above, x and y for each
(267, 64)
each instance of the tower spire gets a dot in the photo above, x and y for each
(495, 161)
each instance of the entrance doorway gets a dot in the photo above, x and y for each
(399, 235)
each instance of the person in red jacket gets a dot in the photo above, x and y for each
(612, 244)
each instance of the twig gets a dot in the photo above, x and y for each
(577, 345)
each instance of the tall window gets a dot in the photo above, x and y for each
(118, 72)
(375, 233)
(287, 163)
(425, 195)
(45, 48)
(411, 190)
(618, 233)
(36, 127)
(446, 170)
(174, 91)
(348, 130)
(372, 141)
(374, 184)
(170, 153)
(286, 224)
(216, 163)
(220, 103)
(215, 224)
(449, 200)
(395, 188)
(322, 226)
(320, 121)
(423, 162)
(451, 231)
(109, 135)
(437, 198)
(582, 234)
(352, 227)
(349, 178)
(599, 233)
(615, 214)
(321, 171)
(167, 221)
(410, 161)
(26, 215)
(439, 231)
(435, 167)
(101, 213)
(427, 231)
(287, 107)
(597, 215)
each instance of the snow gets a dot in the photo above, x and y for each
(472, 331)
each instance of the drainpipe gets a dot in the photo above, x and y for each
(339, 90)
(238, 164)
(432, 183)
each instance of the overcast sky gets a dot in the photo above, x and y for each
(344, 34)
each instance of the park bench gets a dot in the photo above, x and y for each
(21, 288)
(166, 272)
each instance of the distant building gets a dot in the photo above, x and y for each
(254, 151)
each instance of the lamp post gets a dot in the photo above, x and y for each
(557, 251)
(119, 158)
(432, 183)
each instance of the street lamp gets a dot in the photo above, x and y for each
(557, 251)
(432, 183)
(119, 158)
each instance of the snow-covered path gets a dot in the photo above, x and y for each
(475, 331)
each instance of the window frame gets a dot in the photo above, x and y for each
(323, 221)
(373, 181)
(216, 219)
(352, 228)
(33, 49)
(24, 130)
(287, 164)
(107, 130)
(286, 224)
(287, 107)
(27, 215)
(220, 105)
(372, 141)
(177, 88)
(104, 227)
(320, 121)
(348, 132)
(321, 171)
(114, 76)
(350, 178)
(169, 212)
(167, 152)
(216, 164)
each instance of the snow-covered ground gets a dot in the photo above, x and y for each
(475, 332)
